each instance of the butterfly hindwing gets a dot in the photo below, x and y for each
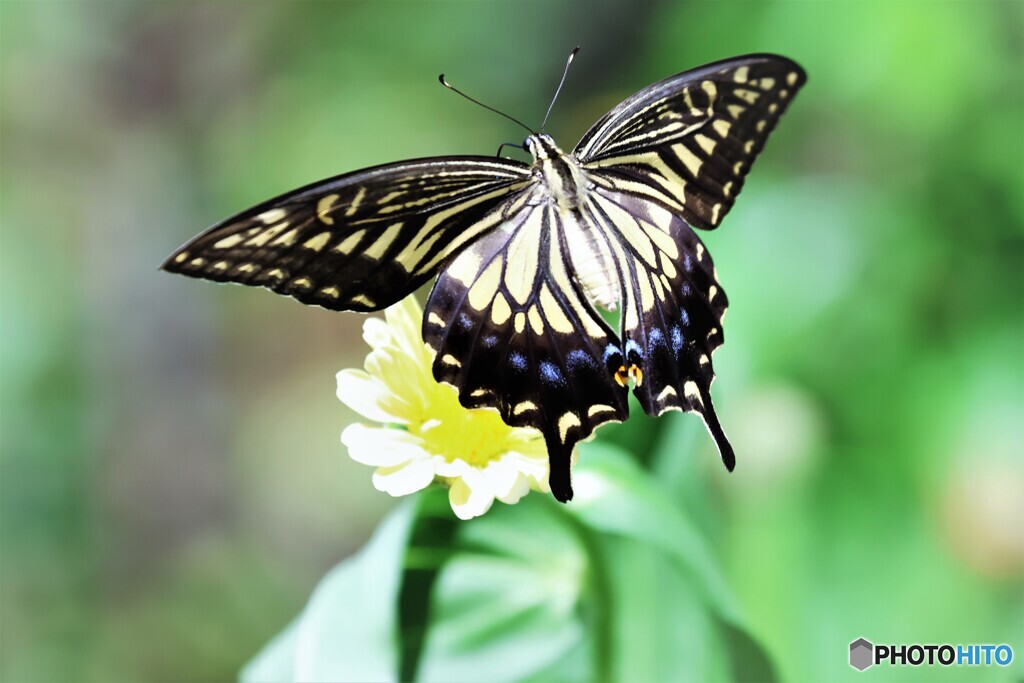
(360, 241)
(690, 140)
(513, 331)
(672, 306)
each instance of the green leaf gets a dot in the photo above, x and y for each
(750, 661)
(644, 530)
(506, 605)
(347, 630)
(431, 545)
(276, 661)
(661, 626)
(618, 585)
(616, 497)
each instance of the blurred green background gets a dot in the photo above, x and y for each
(172, 482)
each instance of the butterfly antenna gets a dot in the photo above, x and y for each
(560, 84)
(448, 85)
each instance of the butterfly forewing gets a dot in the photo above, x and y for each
(360, 241)
(513, 330)
(689, 141)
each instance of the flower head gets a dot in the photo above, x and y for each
(429, 435)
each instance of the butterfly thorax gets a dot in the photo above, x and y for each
(560, 172)
(566, 186)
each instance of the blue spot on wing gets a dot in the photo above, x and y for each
(517, 361)
(550, 373)
(578, 360)
(677, 337)
(632, 348)
(612, 353)
(656, 338)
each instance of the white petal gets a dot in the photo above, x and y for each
(470, 496)
(406, 322)
(376, 333)
(453, 468)
(513, 475)
(519, 489)
(534, 467)
(539, 482)
(371, 398)
(380, 446)
(402, 375)
(501, 475)
(405, 318)
(404, 479)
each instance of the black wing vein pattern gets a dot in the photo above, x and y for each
(690, 140)
(360, 241)
(513, 330)
(673, 156)
(672, 306)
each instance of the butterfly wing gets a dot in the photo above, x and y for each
(513, 331)
(672, 156)
(672, 305)
(359, 241)
(690, 140)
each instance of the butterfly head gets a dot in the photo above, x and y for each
(542, 146)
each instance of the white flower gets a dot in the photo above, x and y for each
(430, 435)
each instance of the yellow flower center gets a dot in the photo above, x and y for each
(453, 432)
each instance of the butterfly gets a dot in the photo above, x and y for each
(525, 253)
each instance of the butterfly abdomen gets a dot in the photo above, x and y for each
(592, 262)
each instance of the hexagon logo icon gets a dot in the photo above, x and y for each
(862, 654)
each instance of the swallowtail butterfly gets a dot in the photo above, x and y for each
(524, 253)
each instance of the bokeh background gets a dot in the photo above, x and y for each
(172, 482)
